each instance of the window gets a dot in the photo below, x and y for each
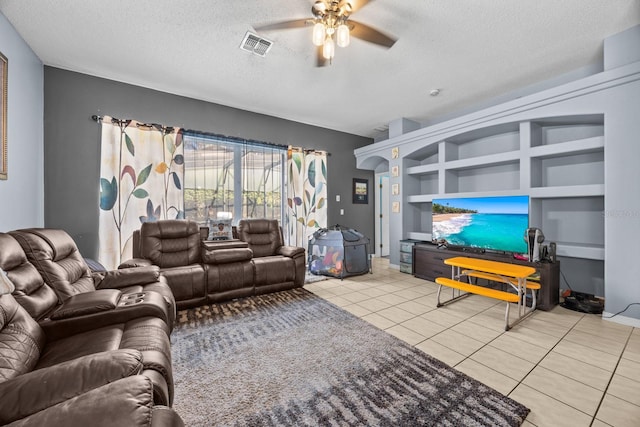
(227, 177)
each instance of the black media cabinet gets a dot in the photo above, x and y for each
(428, 263)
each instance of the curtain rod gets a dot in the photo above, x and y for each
(242, 140)
(126, 122)
(192, 132)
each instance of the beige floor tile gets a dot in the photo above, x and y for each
(414, 307)
(532, 336)
(396, 314)
(493, 379)
(607, 345)
(598, 423)
(406, 334)
(618, 412)
(378, 321)
(547, 411)
(440, 352)
(390, 288)
(339, 301)
(580, 371)
(375, 304)
(629, 369)
(457, 342)
(503, 362)
(476, 331)
(596, 325)
(632, 350)
(545, 327)
(588, 355)
(442, 317)
(625, 389)
(409, 294)
(355, 297)
(373, 292)
(520, 349)
(323, 293)
(564, 389)
(427, 300)
(357, 310)
(527, 424)
(423, 326)
(393, 299)
(560, 316)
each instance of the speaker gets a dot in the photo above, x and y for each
(533, 237)
(552, 251)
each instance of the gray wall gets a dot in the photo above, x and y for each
(22, 195)
(72, 146)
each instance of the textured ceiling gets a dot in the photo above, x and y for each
(470, 49)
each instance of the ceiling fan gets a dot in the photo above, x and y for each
(332, 25)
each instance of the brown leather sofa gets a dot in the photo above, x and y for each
(203, 272)
(65, 278)
(55, 306)
(63, 381)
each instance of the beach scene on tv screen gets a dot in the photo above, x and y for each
(491, 223)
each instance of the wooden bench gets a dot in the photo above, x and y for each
(508, 297)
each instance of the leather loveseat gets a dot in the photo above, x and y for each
(203, 272)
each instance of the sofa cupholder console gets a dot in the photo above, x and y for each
(132, 299)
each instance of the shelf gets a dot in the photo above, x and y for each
(415, 235)
(591, 190)
(420, 198)
(576, 250)
(581, 146)
(484, 161)
(423, 169)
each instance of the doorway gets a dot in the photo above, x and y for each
(381, 237)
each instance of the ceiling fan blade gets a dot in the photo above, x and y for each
(358, 4)
(282, 25)
(370, 34)
(320, 60)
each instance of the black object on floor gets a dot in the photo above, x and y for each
(585, 303)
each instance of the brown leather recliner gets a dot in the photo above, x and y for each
(26, 346)
(175, 247)
(53, 282)
(276, 267)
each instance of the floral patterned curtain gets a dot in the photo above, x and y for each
(306, 194)
(141, 175)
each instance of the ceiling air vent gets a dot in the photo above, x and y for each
(255, 44)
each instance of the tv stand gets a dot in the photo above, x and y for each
(428, 263)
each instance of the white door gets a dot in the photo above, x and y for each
(382, 215)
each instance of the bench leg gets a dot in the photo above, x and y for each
(440, 304)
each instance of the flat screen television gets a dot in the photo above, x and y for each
(488, 223)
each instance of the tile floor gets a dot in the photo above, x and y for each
(569, 368)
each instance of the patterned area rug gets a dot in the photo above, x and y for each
(294, 359)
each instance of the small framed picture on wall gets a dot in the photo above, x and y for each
(360, 190)
(395, 171)
(395, 207)
(395, 189)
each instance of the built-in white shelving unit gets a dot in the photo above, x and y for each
(557, 161)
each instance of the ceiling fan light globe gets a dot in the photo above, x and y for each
(319, 8)
(343, 37)
(328, 48)
(318, 34)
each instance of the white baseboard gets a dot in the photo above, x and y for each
(623, 320)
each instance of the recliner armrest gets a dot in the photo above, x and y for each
(87, 303)
(40, 389)
(290, 251)
(125, 402)
(225, 256)
(126, 277)
(135, 262)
